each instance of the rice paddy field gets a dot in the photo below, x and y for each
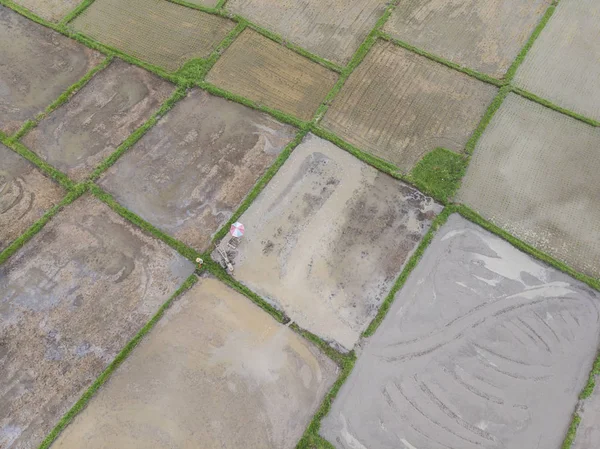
(299, 224)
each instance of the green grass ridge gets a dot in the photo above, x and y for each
(548, 104)
(20, 241)
(260, 185)
(119, 359)
(186, 251)
(75, 12)
(134, 137)
(62, 99)
(571, 432)
(459, 68)
(512, 70)
(486, 119)
(437, 223)
(591, 383)
(46, 168)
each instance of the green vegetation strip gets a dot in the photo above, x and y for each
(357, 58)
(512, 70)
(591, 383)
(215, 11)
(260, 185)
(280, 40)
(119, 359)
(311, 438)
(439, 221)
(480, 76)
(179, 93)
(200, 72)
(554, 107)
(76, 11)
(278, 115)
(30, 15)
(38, 225)
(177, 245)
(571, 433)
(48, 169)
(486, 119)
(62, 99)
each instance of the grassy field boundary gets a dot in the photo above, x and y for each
(486, 119)
(355, 61)
(75, 12)
(117, 361)
(134, 137)
(20, 241)
(452, 65)
(42, 165)
(260, 185)
(183, 249)
(410, 265)
(62, 99)
(548, 104)
(571, 431)
(512, 70)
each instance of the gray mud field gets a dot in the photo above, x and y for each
(484, 347)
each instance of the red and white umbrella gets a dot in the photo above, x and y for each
(237, 229)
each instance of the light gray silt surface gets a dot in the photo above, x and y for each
(37, 66)
(563, 65)
(536, 174)
(484, 35)
(79, 135)
(588, 431)
(216, 372)
(332, 29)
(328, 237)
(398, 106)
(26, 194)
(191, 171)
(483, 348)
(70, 299)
